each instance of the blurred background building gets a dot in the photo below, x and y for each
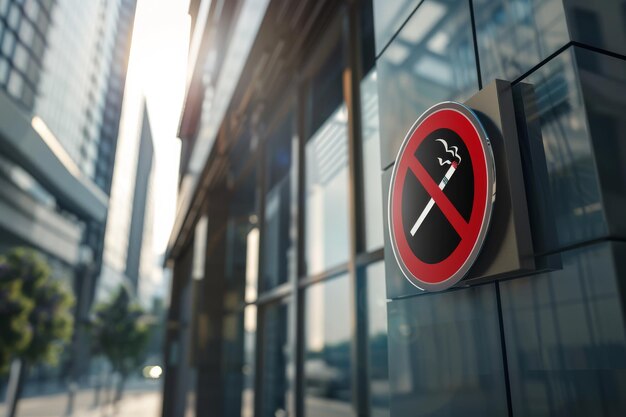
(128, 255)
(62, 74)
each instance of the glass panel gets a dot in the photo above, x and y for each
(597, 23)
(242, 150)
(327, 349)
(377, 336)
(252, 265)
(326, 90)
(368, 47)
(445, 355)
(432, 59)
(558, 106)
(275, 358)
(602, 88)
(277, 243)
(372, 180)
(4, 70)
(515, 36)
(327, 194)
(4, 6)
(565, 338)
(219, 90)
(233, 363)
(241, 272)
(389, 15)
(397, 284)
(249, 328)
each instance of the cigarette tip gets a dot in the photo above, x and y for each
(455, 164)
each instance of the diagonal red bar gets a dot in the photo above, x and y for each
(444, 204)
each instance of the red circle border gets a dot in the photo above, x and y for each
(468, 131)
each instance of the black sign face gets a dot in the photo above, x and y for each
(441, 196)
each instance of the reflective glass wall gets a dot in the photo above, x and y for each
(548, 344)
(308, 327)
(303, 327)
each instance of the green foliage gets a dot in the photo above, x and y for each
(121, 332)
(52, 322)
(15, 331)
(35, 312)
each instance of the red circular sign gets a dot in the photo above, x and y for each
(441, 196)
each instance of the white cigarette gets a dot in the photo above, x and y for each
(431, 202)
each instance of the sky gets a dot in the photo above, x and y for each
(156, 71)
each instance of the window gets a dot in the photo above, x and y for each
(32, 9)
(326, 199)
(4, 70)
(431, 59)
(249, 349)
(306, 306)
(372, 170)
(377, 339)
(511, 40)
(28, 96)
(274, 383)
(327, 367)
(16, 83)
(8, 42)
(14, 16)
(26, 33)
(4, 5)
(277, 243)
(20, 59)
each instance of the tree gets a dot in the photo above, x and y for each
(121, 332)
(38, 318)
(15, 331)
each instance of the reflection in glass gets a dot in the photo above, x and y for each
(389, 15)
(605, 106)
(327, 194)
(515, 36)
(445, 355)
(372, 180)
(233, 361)
(327, 349)
(275, 357)
(249, 334)
(598, 23)
(432, 59)
(377, 336)
(252, 265)
(565, 337)
(277, 244)
(219, 88)
(558, 106)
(240, 275)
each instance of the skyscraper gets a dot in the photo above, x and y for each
(62, 75)
(127, 256)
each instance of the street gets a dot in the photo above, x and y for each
(135, 403)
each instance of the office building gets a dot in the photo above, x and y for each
(287, 297)
(62, 74)
(128, 256)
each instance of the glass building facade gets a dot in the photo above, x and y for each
(292, 308)
(62, 74)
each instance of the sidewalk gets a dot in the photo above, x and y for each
(135, 403)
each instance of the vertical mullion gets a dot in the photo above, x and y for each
(475, 42)
(296, 310)
(258, 338)
(351, 87)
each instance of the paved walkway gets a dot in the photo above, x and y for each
(135, 403)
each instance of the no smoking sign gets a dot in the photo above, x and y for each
(441, 196)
